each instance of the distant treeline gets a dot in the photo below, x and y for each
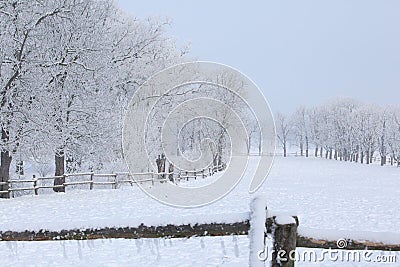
(343, 129)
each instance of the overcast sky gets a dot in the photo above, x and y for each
(298, 52)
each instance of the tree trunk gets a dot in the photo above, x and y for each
(59, 160)
(5, 166)
(301, 149)
(321, 151)
(5, 172)
(306, 147)
(362, 157)
(383, 160)
(316, 151)
(330, 153)
(367, 157)
(284, 150)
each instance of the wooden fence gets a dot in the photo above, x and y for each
(114, 180)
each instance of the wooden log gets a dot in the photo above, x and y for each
(142, 231)
(309, 242)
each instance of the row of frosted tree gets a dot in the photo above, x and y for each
(67, 71)
(343, 129)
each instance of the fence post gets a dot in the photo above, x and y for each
(163, 160)
(195, 174)
(91, 180)
(115, 181)
(171, 172)
(35, 185)
(285, 234)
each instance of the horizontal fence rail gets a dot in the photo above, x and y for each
(310, 242)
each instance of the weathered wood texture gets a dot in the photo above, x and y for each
(142, 231)
(309, 242)
(284, 240)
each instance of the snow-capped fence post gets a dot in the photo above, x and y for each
(35, 185)
(284, 234)
(283, 229)
(258, 230)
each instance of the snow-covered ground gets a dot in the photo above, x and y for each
(201, 251)
(325, 194)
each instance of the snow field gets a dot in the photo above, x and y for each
(325, 194)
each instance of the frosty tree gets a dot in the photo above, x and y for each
(67, 71)
(21, 25)
(346, 129)
(283, 131)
